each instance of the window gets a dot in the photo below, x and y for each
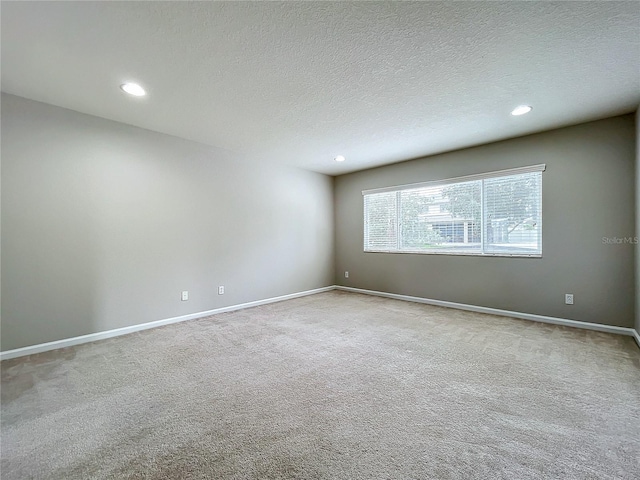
(498, 213)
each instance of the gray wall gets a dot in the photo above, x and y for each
(637, 323)
(103, 225)
(588, 194)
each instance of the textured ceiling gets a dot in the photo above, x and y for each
(301, 82)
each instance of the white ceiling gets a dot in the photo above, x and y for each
(301, 82)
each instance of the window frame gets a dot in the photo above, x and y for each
(449, 181)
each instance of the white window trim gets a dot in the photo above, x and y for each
(466, 178)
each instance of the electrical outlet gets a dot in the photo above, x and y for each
(185, 296)
(346, 274)
(568, 298)
(221, 290)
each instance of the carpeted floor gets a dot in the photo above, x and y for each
(330, 386)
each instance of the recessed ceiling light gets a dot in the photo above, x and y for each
(340, 158)
(133, 89)
(521, 110)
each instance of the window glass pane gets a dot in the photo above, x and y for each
(441, 218)
(380, 212)
(512, 214)
(464, 206)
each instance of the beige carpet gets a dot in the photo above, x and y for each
(331, 386)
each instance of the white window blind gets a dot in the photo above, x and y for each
(498, 213)
(381, 221)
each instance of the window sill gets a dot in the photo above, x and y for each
(459, 254)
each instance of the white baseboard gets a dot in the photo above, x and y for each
(92, 337)
(505, 313)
